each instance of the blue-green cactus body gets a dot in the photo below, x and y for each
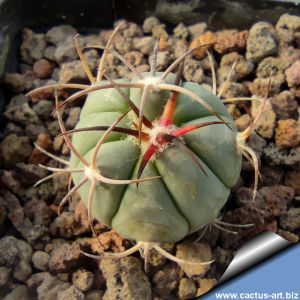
(184, 198)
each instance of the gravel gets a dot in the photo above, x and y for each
(40, 252)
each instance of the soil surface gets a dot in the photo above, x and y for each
(40, 251)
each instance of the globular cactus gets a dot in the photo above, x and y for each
(154, 157)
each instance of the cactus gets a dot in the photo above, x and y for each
(154, 157)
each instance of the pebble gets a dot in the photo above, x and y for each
(261, 42)
(72, 72)
(291, 237)
(29, 174)
(288, 55)
(66, 51)
(149, 23)
(65, 258)
(3, 215)
(20, 292)
(242, 122)
(192, 71)
(187, 288)
(233, 90)
(293, 74)
(38, 157)
(227, 41)
(135, 58)
(159, 31)
(125, 280)
(14, 82)
(49, 53)
(243, 67)
(287, 133)
(292, 220)
(144, 45)
(14, 149)
(164, 59)
(270, 66)
(181, 32)
(260, 86)
(50, 287)
(272, 175)
(277, 157)
(83, 279)
(40, 260)
(16, 255)
(43, 68)
(4, 275)
(285, 106)
(205, 286)
(256, 143)
(71, 293)
(43, 109)
(94, 295)
(266, 124)
(32, 47)
(59, 34)
(166, 280)
(292, 178)
(19, 111)
(197, 29)
(73, 118)
(288, 21)
(198, 253)
(207, 38)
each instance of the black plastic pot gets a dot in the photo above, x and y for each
(42, 14)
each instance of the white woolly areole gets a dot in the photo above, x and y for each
(152, 82)
(90, 173)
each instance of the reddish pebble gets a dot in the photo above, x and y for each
(43, 68)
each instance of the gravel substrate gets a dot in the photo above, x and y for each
(40, 251)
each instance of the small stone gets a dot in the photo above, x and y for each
(256, 143)
(229, 42)
(291, 237)
(144, 44)
(43, 109)
(65, 258)
(293, 74)
(233, 111)
(38, 157)
(73, 118)
(285, 37)
(277, 157)
(272, 175)
(287, 133)
(14, 82)
(260, 86)
(4, 275)
(83, 279)
(285, 106)
(186, 289)
(260, 42)
(198, 253)
(164, 58)
(288, 55)
(192, 71)
(29, 174)
(266, 124)
(197, 29)
(66, 51)
(49, 53)
(243, 67)
(33, 46)
(14, 149)
(149, 23)
(292, 220)
(270, 66)
(205, 286)
(20, 292)
(233, 89)
(19, 111)
(125, 279)
(94, 295)
(181, 32)
(40, 260)
(292, 178)
(71, 293)
(243, 122)
(16, 254)
(206, 38)
(166, 280)
(59, 34)
(43, 68)
(288, 21)
(72, 72)
(50, 286)
(135, 58)
(159, 31)
(131, 30)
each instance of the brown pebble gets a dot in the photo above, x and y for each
(38, 157)
(207, 39)
(228, 42)
(287, 133)
(43, 68)
(293, 74)
(292, 178)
